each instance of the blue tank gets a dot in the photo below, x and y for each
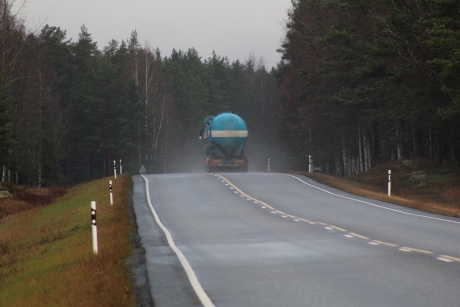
(224, 136)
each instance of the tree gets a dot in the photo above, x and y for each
(370, 78)
(8, 128)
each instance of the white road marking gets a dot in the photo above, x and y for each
(204, 298)
(236, 192)
(231, 188)
(372, 204)
(444, 259)
(365, 202)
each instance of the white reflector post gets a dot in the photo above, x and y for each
(121, 168)
(111, 194)
(389, 182)
(310, 164)
(115, 169)
(94, 226)
(269, 165)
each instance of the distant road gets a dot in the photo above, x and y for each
(263, 239)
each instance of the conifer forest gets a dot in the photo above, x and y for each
(359, 83)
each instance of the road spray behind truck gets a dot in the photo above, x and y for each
(224, 137)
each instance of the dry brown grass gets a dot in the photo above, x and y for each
(25, 198)
(439, 194)
(46, 256)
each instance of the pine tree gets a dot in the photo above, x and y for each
(8, 132)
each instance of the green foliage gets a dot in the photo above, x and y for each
(8, 127)
(72, 109)
(443, 39)
(366, 82)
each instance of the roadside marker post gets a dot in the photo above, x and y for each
(111, 192)
(121, 168)
(389, 182)
(94, 227)
(269, 165)
(115, 169)
(310, 164)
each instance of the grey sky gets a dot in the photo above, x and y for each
(233, 28)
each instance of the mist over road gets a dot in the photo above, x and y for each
(263, 239)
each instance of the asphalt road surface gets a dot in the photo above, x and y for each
(265, 239)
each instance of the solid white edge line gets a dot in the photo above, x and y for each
(204, 298)
(375, 205)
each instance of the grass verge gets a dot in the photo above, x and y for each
(46, 256)
(420, 184)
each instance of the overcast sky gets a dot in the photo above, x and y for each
(232, 28)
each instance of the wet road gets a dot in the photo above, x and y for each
(258, 239)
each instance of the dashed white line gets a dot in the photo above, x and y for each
(444, 259)
(374, 242)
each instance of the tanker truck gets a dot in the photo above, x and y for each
(224, 137)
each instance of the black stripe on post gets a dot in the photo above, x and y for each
(93, 217)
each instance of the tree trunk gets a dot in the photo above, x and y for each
(166, 142)
(430, 143)
(360, 150)
(399, 149)
(366, 153)
(344, 159)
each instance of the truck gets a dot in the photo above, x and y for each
(224, 137)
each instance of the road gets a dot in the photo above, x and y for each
(265, 239)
